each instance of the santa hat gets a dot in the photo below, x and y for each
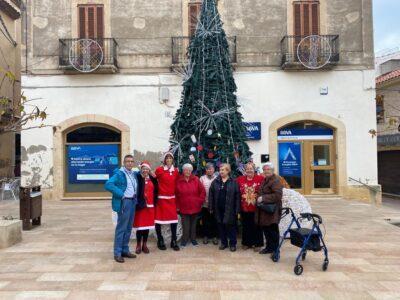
(145, 164)
(168, 153)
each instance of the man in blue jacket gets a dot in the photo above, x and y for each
(125, 188)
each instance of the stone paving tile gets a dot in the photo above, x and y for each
(70, 256)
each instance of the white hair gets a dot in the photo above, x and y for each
(187, 166)
(270, 165)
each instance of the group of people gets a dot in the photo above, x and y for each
(146, 200)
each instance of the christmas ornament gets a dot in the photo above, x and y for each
(192, 159)
(209, 132)
(200, 148)
(194, 140)
(204, 163)
(210, 155)
(192, 149)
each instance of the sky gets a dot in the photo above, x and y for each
(386, 24)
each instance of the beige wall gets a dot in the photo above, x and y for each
(10, 60)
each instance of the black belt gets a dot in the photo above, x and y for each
(130, 198)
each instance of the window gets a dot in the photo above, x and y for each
(91, 21)
(306, 18)
(380, 111)
(194, 12)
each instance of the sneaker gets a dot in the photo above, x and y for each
(195, 243)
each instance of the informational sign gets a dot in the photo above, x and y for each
(290, 159)
(305, 134)
(253, 131)
(91, 163)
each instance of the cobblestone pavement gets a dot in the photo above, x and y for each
(70, 256)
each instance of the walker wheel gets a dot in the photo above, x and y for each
(275, 257)
(325, 265)
(298, 269)
(303, 256)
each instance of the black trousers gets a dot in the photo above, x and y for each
(252, 234)
(209, 224)
(189, 223)
(142, 235)
(271, 233)
(174, 227)
(227, 234)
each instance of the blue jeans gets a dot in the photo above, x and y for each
(124, 226)
(227, 233)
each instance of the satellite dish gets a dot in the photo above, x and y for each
(85, 55)
(314, 52)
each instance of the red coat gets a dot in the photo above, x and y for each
(249, 192)
(166, 180)
(190, 195)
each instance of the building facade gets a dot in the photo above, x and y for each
(388, 119)
(10, 61)
(314, 112)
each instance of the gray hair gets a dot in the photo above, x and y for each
(209, 166)
(187, 166)
(270, 165)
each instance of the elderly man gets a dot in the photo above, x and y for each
(126, 188)
(270, 192)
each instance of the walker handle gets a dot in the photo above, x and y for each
(309, 216)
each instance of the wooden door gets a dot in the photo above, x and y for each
(91, 21)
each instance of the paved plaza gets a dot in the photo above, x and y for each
(70, 257)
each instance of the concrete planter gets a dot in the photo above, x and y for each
(10, 233)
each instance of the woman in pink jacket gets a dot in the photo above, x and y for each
(190, 195)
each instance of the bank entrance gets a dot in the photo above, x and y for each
(307, 157)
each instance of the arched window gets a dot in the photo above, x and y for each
(92, 153)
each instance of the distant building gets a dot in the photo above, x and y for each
(312, 96)
(388, 119)
(10, 60)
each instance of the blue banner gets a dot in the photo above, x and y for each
(253, 131)
(290, 159)
(91, 163)
(305, 134)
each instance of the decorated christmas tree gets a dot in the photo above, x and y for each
(208, 126)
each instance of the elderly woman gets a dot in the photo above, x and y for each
(166, 213)
(209, 225)
(224, 202)
(249, 184)
(283, 181)
(270, 193)
(144, 217)
(190, 196)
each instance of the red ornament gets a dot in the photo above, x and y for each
(210, 155)
(200, 148)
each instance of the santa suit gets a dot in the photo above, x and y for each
(144, 218)
(166, 202)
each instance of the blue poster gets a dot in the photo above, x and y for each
(253, 131)
(91, 163)
(290, 159)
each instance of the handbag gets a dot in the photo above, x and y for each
(268, 208)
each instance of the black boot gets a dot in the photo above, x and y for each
(174, 245)
(161, 244)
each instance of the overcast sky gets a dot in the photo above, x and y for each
(386, 24)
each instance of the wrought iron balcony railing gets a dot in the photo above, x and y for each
(88, 55)
(309, 52)
(180, 46)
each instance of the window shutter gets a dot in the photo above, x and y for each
(91, 23)
(297, 19)
(194, 11)
(100, 22)
(315, 18)
(82, 22)
(306, 19)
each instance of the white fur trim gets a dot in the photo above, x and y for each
(166, 197)
(144, 228)
(166, 222)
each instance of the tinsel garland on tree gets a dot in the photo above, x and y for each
(208, 126)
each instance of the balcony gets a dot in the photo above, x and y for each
(180, 46)
(88, 56)
(309, 52)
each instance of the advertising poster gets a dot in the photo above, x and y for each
(253, 131)
(91, 163)
(290, 160)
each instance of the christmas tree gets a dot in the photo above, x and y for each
(208, 126)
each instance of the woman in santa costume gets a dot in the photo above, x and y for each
(166, 213)
(145, 213)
